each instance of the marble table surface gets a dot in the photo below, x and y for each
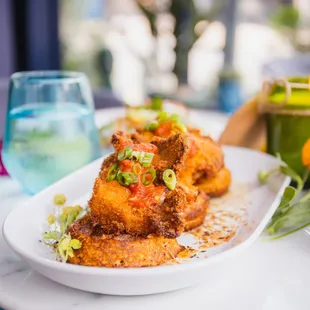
(267, 276)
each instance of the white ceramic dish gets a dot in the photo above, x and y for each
(23, 227)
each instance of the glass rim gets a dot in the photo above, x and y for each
(66, 76)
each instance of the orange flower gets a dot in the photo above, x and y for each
(305, 155)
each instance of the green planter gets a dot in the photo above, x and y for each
(288, 120)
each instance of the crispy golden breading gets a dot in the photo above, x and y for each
(111, 209)
(217, 185)
(100, 249)
(195, 213)
(173, 153)
(205, 157)
(110, 203)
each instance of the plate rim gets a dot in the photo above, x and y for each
(142, 271)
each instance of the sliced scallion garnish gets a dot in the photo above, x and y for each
(136, 168)
(126, 178)
(175, 118)
(170, 179)
(146, 160)
(125, 153)
(152, 126)
(112, 172)
(149, 176)
(136, 155)
(162, 116)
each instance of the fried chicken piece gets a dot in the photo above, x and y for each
(108, 250)
(172, 152)
(217, 185)
(141, 210)
(195, 213)
(205, 157)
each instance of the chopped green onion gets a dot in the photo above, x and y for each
(112, 172)
(60, 199)
(175, 118)
(149, 176)
(179, 127)
(136, 168)
(152, 126)
(170, 179)
(125, 153)
(147, 159)
(126, 178)
(162, 116)
(144, 158)
(156, 103)
(136, 155)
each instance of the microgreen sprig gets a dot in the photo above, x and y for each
(57, 237)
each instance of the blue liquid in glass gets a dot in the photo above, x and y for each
(44, 142)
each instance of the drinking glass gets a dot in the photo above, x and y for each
(50, 129)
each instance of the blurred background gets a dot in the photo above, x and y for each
(194, 51)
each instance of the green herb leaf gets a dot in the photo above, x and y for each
(294, 218)
(51, 235)
(292, 174)
(65, 247)
(288, 197)
(75, 244)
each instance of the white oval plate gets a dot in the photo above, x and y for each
(23, 228)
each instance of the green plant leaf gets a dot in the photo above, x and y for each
(296, 216)
(295, 177)
(51, 235)
(288, 196)
(291, 173)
